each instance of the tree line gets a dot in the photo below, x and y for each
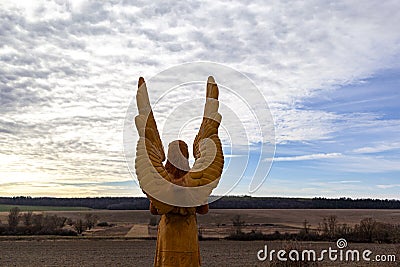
(368, 230)
(29, 223)
(226, 202)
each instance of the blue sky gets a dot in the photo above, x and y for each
(364, 150)
(329, 71)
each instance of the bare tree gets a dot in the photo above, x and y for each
(238, 224)
(27, 218)
(79, 226)
(367, 228)
(14, 217)
(59, 221)
(37, 221)
(344, 230)
(53, 222)
(332, 223)
(90, 220)
(306, 227)
(329, 226)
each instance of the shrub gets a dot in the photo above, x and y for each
(103, 224)
(253, 235)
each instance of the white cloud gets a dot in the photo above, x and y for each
(377, 148)
(303, 125)
(387, 186)
(345, 182)
(362, 164)
(309, 157)
(69, 70)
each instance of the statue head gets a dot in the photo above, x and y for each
(177, 159)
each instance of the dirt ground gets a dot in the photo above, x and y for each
(118, 245)
(141, 253)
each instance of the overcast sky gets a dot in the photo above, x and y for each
(328, 69)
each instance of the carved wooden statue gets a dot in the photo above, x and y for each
(177, 239)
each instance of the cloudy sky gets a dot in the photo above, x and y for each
(328, 69)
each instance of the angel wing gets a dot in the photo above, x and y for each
(149, 151)
(207, 148)
(150, 155)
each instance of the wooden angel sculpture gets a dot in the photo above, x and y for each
(176, 191)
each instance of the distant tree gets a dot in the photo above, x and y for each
(227, 202)
(367, 228)
(306, 227)
(323, 227)
(27, 218)
(59, 221)
(329, 226)
(332, 223)
(53, 222)
(238, 224)
(79, 226)
(344, 230)
(14, 217)
(37, 221)
(90, 220)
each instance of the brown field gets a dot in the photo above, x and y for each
(119, 245)
(141, 253)
(217, 223)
